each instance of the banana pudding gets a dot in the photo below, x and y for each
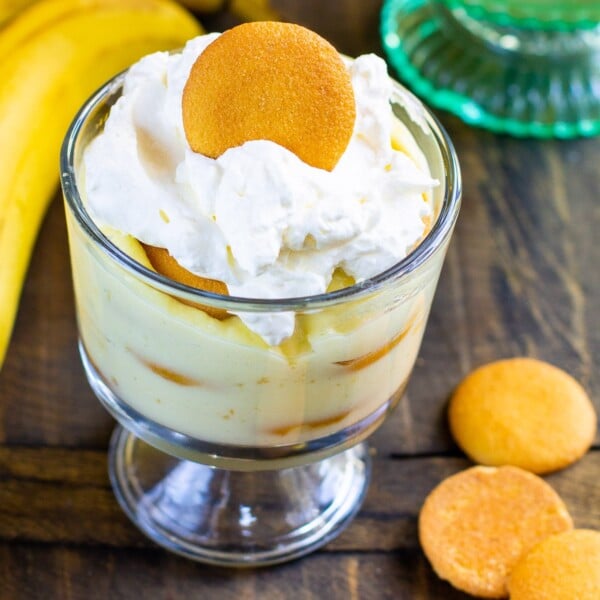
(267, 291)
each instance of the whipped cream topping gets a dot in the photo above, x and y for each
(257, 218)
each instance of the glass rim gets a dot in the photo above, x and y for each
(433, 240)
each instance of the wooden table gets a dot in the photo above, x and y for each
(521, 278)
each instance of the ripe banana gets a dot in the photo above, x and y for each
(53, 55)
(9, 8)
(203, 5)
(253, 10)
(247, 10)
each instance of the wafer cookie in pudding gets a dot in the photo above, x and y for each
(164, 263)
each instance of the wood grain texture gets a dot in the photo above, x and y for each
(61, 528)
(522, 277)
(45, 399)
(522, 274)
(39, 571)
(56, 495)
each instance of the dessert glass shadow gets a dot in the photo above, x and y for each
(230, 451)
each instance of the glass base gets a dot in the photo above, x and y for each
(236, 518)
(511, 77)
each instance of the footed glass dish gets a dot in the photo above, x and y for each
(523, 67)
(229, 451)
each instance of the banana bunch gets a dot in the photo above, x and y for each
(253, 10)
(9, 8)
(246, 10)
(203, 5)
(53, 55)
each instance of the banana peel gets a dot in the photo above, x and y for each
(203, 6)
(9, 8)
(54, 55)
(246, 10)
(253, 10)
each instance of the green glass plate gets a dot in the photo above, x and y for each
(528, 68)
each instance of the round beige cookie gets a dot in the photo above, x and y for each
(476, 525)
(270, 81)
(522, 412)
(166, 265)
(562, 567)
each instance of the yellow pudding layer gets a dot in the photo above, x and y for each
(217, 381)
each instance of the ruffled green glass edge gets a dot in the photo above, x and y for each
(555, 13)
(459, 104)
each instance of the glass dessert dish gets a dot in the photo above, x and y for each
(230, 451)
(527, 68)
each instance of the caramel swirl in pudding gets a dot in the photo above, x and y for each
(360, 362)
